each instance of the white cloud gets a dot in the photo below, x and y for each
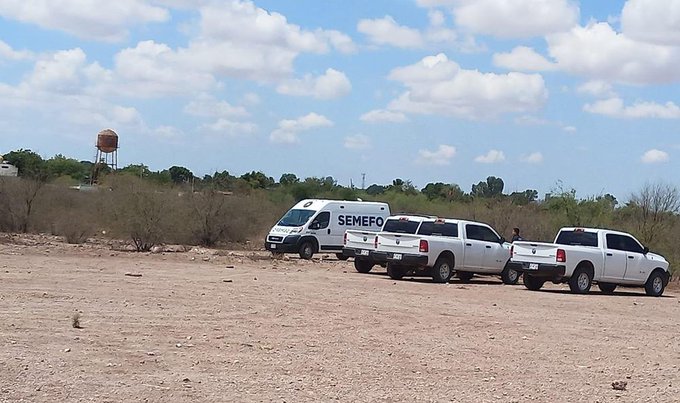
(441, 156)
(514, 19)
(569, 129)
(382, 115)
(230, 128)
(88, 19)
(523, 58)
(654, 156)
(436, 3)
(597, 88)
(533, 158)
(288, 129)
(386, 31)
(251, 99)
(206, 105)
(437, 85)
(6, 52)
(492, 157)
(598, 52)
(358, 142)
(167, 132)
(332, 84)
(654, 21)
(614, 107)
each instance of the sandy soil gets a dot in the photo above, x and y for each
(202, 327)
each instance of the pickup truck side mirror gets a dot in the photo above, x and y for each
(645, 250)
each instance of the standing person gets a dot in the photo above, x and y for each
(515, 235)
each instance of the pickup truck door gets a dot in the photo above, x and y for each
(483, 248)
(615, 258)
(637, 266)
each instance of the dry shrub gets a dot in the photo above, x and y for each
(18, 199)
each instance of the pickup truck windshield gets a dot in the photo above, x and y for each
(296, 218)
(400, 226)
(581, 238)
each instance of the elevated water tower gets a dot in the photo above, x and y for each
(106, 159)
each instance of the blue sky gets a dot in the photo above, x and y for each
(533, 91)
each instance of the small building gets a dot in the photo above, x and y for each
(7, 169)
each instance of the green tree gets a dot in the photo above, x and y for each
(258, 180)
(30, 164)
(180, 174)
(493, 187)
(289, 179)
(374, 189)
(524, 198)
(59, 166)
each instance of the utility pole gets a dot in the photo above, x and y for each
(363, 181)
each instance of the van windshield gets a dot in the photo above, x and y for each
(296, 218)
(401, 226)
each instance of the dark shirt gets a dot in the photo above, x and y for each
(517, 238)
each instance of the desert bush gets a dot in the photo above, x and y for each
(137, 211)
(18, 199)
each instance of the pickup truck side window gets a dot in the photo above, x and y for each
(481, 233)
(442, 229)
(401, 226)
(616, 242)
(581, 238)
(632, 245)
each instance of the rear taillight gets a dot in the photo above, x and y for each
(344, 239)
(424, 247)
(561, 256)
(375, 242)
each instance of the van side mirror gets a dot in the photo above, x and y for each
(314, 225)
(645, 250)
(503, 240)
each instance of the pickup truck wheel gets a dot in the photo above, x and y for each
(581, 281)
(341, 256)
(532, 283)
(306, 250)
(465, 276)
(655, 284)
(442, 271)
(395, 272)
(510, 276)
(362, 265)
(606, 288)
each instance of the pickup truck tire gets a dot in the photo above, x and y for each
(395, 272)
(362, 265)
(465, 276)
(532, 283)
(341, 256)
(655, 284)
(581, 281)
(442, 270)
(606, 288)
(306, 250)
(509, 276)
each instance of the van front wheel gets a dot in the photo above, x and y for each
(306, 250)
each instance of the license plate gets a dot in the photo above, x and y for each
(273, 246)
(396, 256)
(363, 252)
(533, 266)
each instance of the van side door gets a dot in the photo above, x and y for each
(320, 227)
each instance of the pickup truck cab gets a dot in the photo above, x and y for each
(443, 246)
(359, 243)
(581, 256)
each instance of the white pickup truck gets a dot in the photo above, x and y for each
(359, 244)
(580, 256)
(443, 246)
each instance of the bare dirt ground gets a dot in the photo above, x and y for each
(203, 327)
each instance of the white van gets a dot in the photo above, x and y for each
(313, 226)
